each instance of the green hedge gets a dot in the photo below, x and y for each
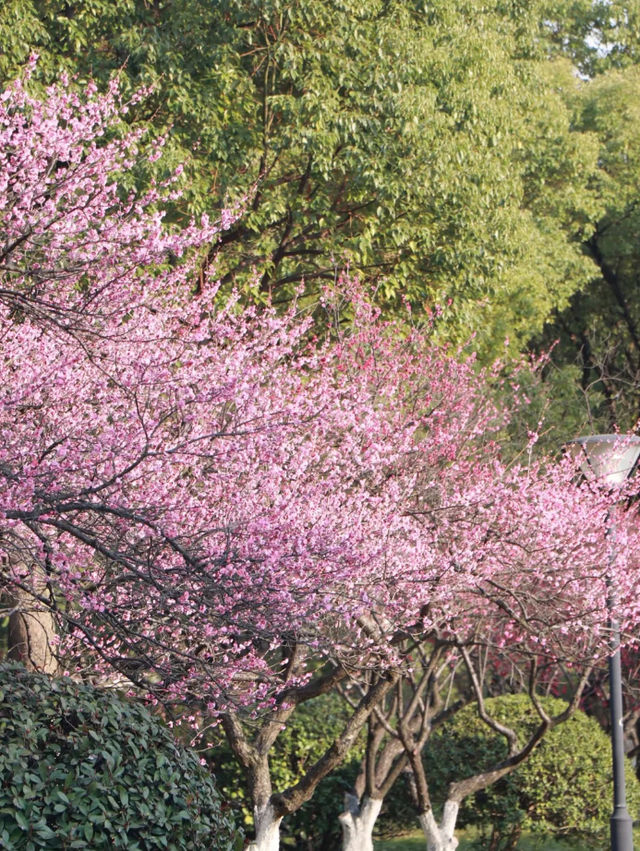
(563, 789)
(82, 767)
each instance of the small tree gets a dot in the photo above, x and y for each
(446, 678)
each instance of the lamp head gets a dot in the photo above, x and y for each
(608, 458)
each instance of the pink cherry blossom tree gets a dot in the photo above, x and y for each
(227, 511)
(72, 242)
(527, 596)
(421, 699)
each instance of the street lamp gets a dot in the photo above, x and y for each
(610, 459)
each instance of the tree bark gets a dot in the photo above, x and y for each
(266, 819)
(267, 827)
(292, 799)
(358, 821)
(31, 629)
(440, 837)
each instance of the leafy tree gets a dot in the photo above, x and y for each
(599, 35)
(425, 145)
(599, 332)
(593, 377)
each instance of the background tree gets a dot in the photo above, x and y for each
(598, 331)
(429, 148)
(598, 35)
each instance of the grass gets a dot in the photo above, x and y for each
(415, 842)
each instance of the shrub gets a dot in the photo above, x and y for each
(564, 788)
(82, 767)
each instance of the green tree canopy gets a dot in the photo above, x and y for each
(429, 146)
(599, 332)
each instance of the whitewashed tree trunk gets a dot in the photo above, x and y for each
(267, 826)
(440, 837)
(358, 821)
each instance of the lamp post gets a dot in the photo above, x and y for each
(610, 459)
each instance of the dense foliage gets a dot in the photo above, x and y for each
(82, 767)
(563, 789)
(428, 146)
(599, 331)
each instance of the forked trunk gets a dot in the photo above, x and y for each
(267, 827)
(358, 821)
(440, 837)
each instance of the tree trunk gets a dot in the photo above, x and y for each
(31, 628)
(267, 827)
(358, 821)
(440, 837)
